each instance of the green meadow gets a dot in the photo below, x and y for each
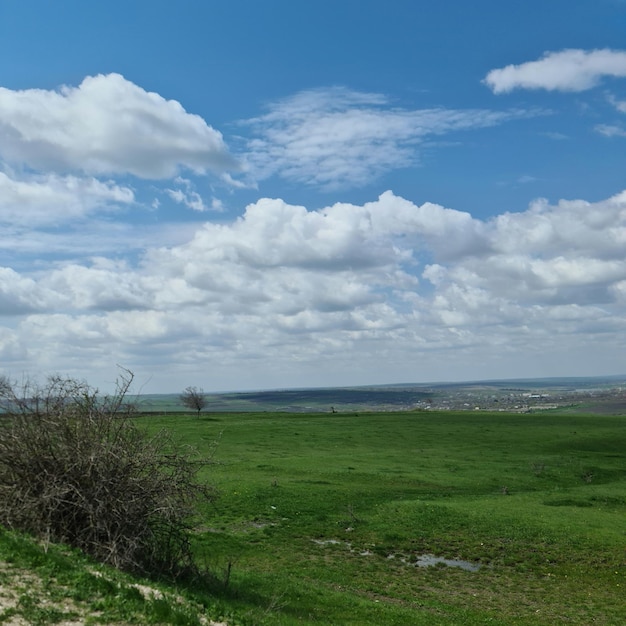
(328, 518)
(322, 518)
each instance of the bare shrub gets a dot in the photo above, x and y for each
(194, 399)
(75, 469)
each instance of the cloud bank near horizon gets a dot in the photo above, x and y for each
(284, 285)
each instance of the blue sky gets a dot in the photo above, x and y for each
(248, 194)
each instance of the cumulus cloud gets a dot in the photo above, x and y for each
(388, 280)
(568, 253)
(19, 294)
(105, 285)
(285, 259)
(107, 125)
(568, 70)
(574, 227)
(338, 138)
(39, 200)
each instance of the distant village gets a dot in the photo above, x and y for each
(609, 399)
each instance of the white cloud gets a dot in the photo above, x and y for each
(567, 70)
(107, 125)
(571, 227)
(620, 105)
(284, 289)
(19, 294)
(610, 130)
(336, 138)
(11, 350)
(39, 200)
(36, 248)
(283, 259)
(103, 286)
(189, 197)
(569, 253)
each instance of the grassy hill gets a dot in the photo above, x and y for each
(50, 584)
(334, 518)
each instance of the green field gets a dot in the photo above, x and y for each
(324, 518)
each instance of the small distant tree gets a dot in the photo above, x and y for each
(194, 399)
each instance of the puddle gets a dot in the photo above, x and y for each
(429, 560)
(423, 560)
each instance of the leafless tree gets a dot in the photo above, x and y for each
(194, 399)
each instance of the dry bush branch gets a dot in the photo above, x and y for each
(75, 469)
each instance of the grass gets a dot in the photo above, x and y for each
(322, 517)
(51, 584)
(537, 500)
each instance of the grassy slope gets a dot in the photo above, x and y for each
(52, 584)
(539, 500)
(322, 516)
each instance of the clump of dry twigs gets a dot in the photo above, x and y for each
(75, 469)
